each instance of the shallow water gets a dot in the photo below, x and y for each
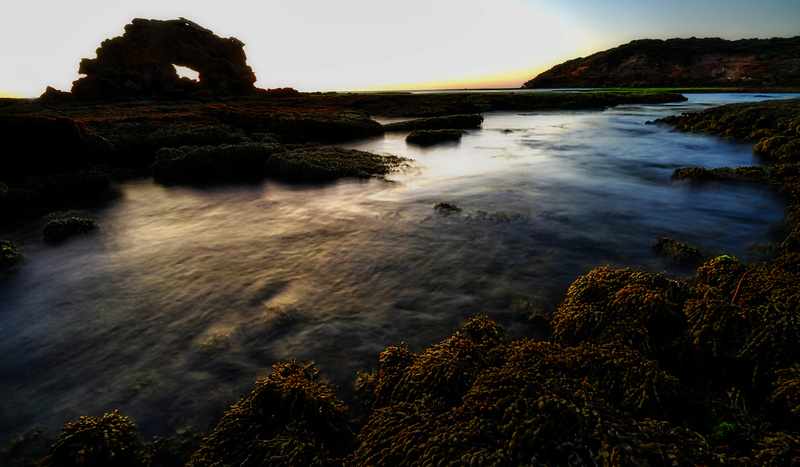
(185, 296)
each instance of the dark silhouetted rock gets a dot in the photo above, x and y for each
(142, 62)
(431, 137)
(681, 62)
(437, 123)
(37, 144)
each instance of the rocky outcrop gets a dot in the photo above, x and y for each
(41, 144)
(681, 62)
(142, 62)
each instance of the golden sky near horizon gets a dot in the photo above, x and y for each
(321, 45)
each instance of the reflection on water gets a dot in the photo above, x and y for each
(185, 296)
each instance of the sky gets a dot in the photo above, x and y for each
(347, 45)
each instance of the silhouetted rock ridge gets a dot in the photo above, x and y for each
(681, 62)
(142, 62)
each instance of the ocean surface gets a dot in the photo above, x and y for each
(185, 296)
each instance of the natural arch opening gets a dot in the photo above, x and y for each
(186, 72)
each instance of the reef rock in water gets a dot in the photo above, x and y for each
(142, 62)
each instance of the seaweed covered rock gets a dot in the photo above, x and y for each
(431, 137)
(746, 319)
(326, 125)
(9, 254)
(60, 229)
(82, 183)
(443, 374)
(641, 310)
(225, 162)
(719, 174)
(772, 124)
(134, 142)
(290, 418)
(679, 252)
(477, 399)
(329, 163)
(97, 442)
(464, 121)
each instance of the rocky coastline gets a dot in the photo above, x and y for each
(632, 368)
(636, 368)
(90, 144)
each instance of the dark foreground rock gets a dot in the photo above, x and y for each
(431, 137)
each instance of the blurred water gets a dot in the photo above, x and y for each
(185, 296)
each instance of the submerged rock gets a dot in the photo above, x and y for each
(466, 121)
(60, 229)
(329, 163)
(9, 254)
(431, 137)
(141, 63)
(720, 174)
(679, 252)
(446, 208)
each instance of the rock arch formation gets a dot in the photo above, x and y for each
(141, 63)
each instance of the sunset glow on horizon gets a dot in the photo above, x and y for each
(354, 45)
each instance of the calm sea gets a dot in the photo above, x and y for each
(184, 296)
